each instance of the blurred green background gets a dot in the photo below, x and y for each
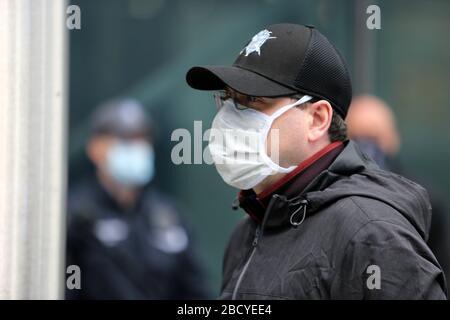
(143, 48)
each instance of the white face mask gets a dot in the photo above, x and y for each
(237, 144)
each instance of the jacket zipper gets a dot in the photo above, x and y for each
(258, 234)
(244, 269)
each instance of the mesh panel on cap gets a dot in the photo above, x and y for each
(324, 74)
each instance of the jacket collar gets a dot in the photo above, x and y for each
(284, 196)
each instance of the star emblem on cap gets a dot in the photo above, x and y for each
(257, 41)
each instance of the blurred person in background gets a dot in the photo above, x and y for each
(127, 237)
(372, 125)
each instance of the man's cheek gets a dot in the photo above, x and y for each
(273, 143)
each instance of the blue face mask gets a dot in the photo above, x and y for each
(131, 163)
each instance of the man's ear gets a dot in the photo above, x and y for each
(321, 114)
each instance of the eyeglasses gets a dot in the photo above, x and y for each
(238, 100)
(221, 97)
(241, 101)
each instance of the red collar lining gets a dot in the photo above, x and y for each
(302, 166)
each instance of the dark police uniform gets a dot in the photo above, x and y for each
(144, 253)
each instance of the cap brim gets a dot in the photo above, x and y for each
(238, 79)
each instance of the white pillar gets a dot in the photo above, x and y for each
(33, 57)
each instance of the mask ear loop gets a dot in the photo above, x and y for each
(289, 106)
(274, 166)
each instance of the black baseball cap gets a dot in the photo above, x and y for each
(282, 60)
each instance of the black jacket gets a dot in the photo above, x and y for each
(144, 253)
(357, 219)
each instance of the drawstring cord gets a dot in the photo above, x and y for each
(302, 205)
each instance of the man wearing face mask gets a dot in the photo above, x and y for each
(127, 238)
(325, 222)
